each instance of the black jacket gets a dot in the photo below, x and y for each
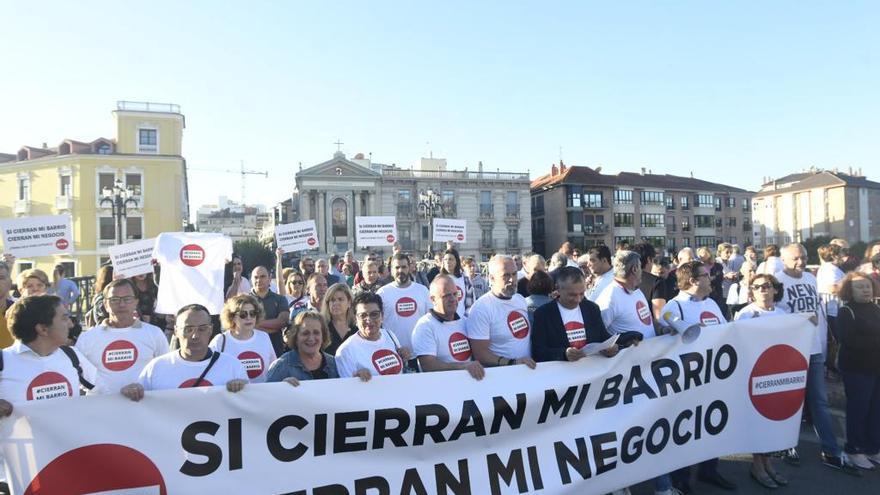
(549, 340)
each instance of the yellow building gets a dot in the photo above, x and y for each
(72, 178)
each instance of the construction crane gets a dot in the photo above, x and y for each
(241, 172)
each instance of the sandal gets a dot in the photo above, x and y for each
(763, 479)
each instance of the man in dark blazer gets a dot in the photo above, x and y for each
(564, 327)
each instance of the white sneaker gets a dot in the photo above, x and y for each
(860, 461)
(874, 458)
(671, 491)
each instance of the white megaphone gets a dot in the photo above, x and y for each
(689, 333)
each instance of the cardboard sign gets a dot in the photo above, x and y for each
(37, 236)
(450, 229)
(376, 231)
(297, 236)
(133, 258)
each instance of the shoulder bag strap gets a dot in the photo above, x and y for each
(74, 360)
(214, 357)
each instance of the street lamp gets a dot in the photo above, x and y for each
(430, 206)
(120, 200)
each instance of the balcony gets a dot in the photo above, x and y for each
(513, 243)
(405, 210)
(487, 211)
(63, 202)
(595, 229)
(512, 211)
(595, 205)
(145, 106)
(487, 244)
(22, 207)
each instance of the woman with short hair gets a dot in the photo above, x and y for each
(307, 338)
(241, 339)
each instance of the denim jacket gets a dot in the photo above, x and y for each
(290, 365)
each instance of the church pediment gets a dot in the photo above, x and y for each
(338, 166)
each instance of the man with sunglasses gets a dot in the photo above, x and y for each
(194, 364)
(121, 345)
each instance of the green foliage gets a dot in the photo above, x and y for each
(812, 246)
(254, 253)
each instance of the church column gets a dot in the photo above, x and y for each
(321, 219)
(305, 206)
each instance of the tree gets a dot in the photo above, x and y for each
(253, 253)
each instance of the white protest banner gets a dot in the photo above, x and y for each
(587, 427)
(297, 236)
(37, 236)
(450, 229)
(375, 231)
(132, 258)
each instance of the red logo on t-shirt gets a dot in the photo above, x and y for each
(192, 255)
(390, 238)
(387, 362)
(460, 237)
(458, 293)
(119, 355)
(189, 383)
(49, 385)
(459, 347)
(577, 334)
(311, 241)
(778, 381)
(643, 312)
(406, 307)
(709, 318)
(61, 243)
(518, 324)
(252, 362)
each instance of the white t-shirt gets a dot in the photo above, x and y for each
(192, 270)
(600, 284)
(770, 266)
(705, 312)
(244, 287)
(255, 353)
(445, 340)
(625, 311)
(379, 357)
(573, 322)
(402, 308)
(29, 376)
(738, 294)
(459, 293)
(800, 295)
(755, 311)
(504, 323)
(827, 277)
(172, 371)
(120, 354)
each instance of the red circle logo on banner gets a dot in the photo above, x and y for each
(777, 384)
(192, 381)
(62, 243)
(192, 255)
(311, 241)
(518, 324)
(459, 347)
(252, 363)
(460, 237)
(49, 385)
(643, 312)
(390, 238)
(101, 468)
(387, 362)
(119, 355)
(406, 307)
(708, 318)
(577, 334)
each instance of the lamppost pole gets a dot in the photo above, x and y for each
(429, 206)
(120, 201)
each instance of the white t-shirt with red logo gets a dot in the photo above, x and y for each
(459, 293)
(255, 353)
(29, 376)
(170, 371)
(379, 357)
(192, 270)
(402, 308)
(504, 323)
(625, 311)
(573, 323)
(445, 340)
(120, 354)
(705, 312)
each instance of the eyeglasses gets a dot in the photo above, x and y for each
(192, 329)
(372, 315)
(762, 287)
(244, 314)
(124, 299)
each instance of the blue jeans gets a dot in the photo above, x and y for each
(862, 412)
(662, 483)
(817, 401)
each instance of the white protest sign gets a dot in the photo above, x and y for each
(450, 229)
(580, 428)
(375, 231)
(297, 236)
(132, 258)
(37, 236)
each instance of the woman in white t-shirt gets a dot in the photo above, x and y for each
(242, 340)
(450, 265)
(373, 350)
(765, 291)
(738, 296)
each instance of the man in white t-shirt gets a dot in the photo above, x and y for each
(403, 300)
(440, 337)
(498, 325)
(122, 345)
(192, 270)
(600, 268)
(194, 364)
(800, 294)
(624, 307)
(373, 350)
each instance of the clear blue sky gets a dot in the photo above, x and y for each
(732, 91)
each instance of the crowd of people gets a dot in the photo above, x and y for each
(341, 317)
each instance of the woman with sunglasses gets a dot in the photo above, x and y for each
(295, 291)
(252, 347)
(764, 292)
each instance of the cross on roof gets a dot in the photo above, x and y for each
(338, 145)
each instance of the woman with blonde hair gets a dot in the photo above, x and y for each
(338, 314)
(295, 291)
(242, 340)
(307, 338)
